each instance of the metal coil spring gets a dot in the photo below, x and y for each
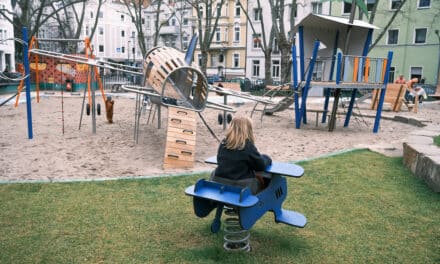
(236, 238)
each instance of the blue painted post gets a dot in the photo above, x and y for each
(338, 68)
(295, 81)
(301, 52)
(330, 78)
(307, 84)
(367, 42)
(382, 93)
(27, 80)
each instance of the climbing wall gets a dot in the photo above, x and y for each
(181, 138)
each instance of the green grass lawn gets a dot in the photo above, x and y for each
(361, 208)
(437, 140)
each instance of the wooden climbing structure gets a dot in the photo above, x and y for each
(181, 138)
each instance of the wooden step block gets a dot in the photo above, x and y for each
(181, 138)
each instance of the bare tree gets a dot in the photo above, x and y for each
(207, 21)
(32, 15)
(134, 10)
(284, 36)
(388, 24)
(266, 43)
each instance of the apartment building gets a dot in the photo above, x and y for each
(227, 52)
(413, 36)
(115, 38)
(7, 47)
(175, 24)
(255, 60)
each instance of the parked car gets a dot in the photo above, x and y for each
(215, 78)
(245, 83)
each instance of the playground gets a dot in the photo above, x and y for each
(113, 153)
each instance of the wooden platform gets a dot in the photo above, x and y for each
(181, 138)
(394, 95)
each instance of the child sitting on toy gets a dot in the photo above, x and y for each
(238, 159)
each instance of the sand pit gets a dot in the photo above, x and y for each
(113, 153)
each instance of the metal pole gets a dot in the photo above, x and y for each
(27, 81)
(382, 93)
(93, 104)
(438, 64)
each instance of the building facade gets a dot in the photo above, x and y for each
(7, 47)
(175, 24)
(227, 52)
(413, 36)
(255, 61)
(115, 37)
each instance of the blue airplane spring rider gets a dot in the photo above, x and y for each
(208, 195)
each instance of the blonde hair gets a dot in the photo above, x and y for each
(239, 131)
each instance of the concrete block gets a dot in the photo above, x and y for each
(426, 133)
(429, 171)
(419, 140)
(410, 156)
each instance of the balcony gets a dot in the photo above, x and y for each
(169, 30)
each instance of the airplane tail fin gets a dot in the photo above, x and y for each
(191, 48)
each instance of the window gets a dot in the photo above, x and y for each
(255, 68)
(237, 9)
(347, 8)
(143, 21)
(173, 22)
(236, 32)
(101, 14)
(393, 37)
(257, 14)
(185, 42)
(257, 41)
(424, 4)
(201, 10)
(391, 75)
(275, 48)
(148, 23)
(317, 71)
(219, 10)
(122, 33)
(122, 18)
(317, 8)
(101, 48)
(221, 58)
(226, 34)
(199, 58)
(101, 30)
(91, 14)
(370, 4)
(395, 4)
(236, 60)
(276, 69)
(420, 36)
(185, 21)
(416, 72)
(87, 30)
(133, 34)
(217, 35)
(123, 49)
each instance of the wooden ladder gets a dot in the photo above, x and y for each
(181, 138)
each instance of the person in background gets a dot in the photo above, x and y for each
(400, 80)
(109, 108)
(238, 159)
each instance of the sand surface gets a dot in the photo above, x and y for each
(113, 153)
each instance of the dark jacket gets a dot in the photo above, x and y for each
(240, 164)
